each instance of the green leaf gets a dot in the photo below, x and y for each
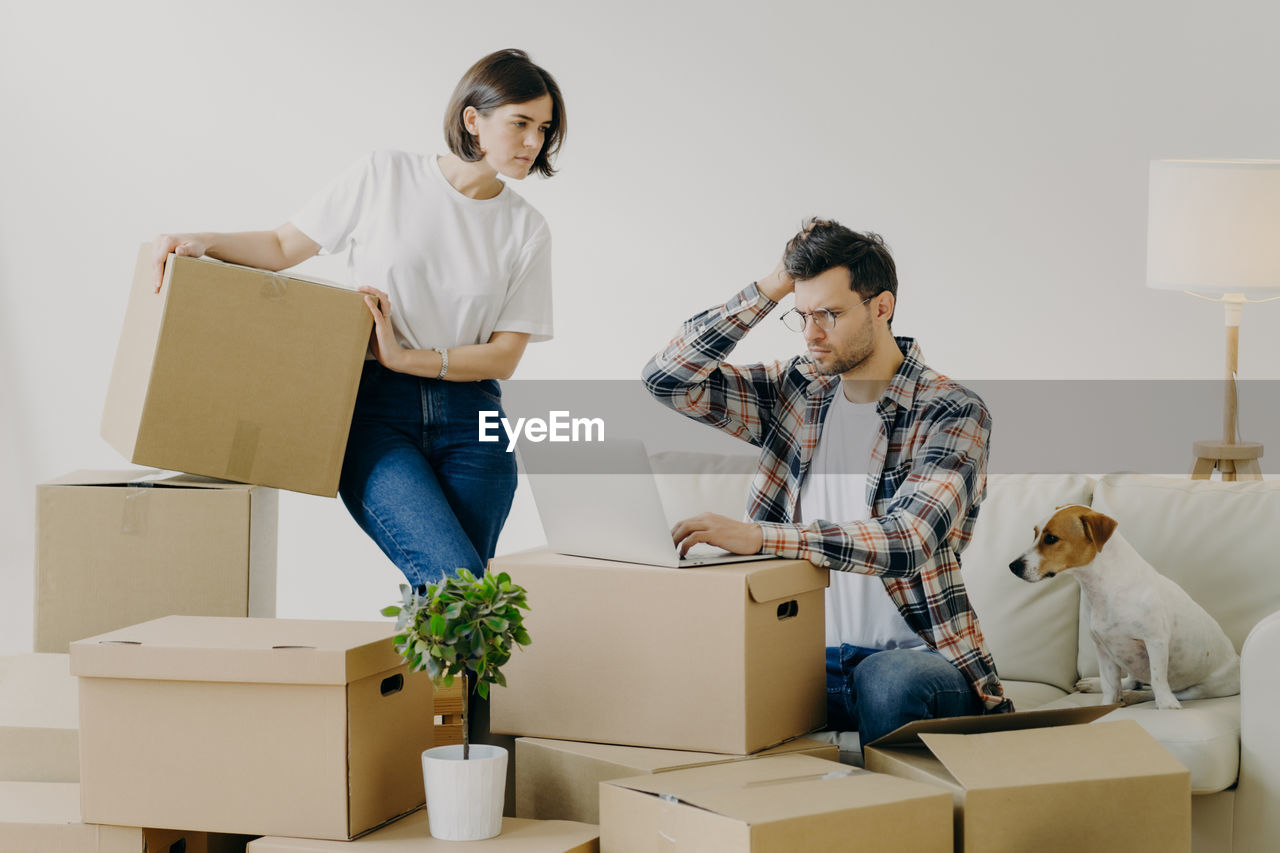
(437, 624)
(483, 690)
(391, 610)
(522, 637)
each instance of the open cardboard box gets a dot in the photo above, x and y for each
(560, 779)
(253, 726)
(412, 835)
(1045, 781)
(780, 804)
(115, 548)
(725, 659)
(238, 373)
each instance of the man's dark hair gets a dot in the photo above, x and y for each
(501, 78)
(823, 244)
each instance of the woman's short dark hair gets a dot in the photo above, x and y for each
(823, 244)
(501, 78)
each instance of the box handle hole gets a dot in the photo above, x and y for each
(179, 846)
(293, 647)
(394, 684)
(788, 610)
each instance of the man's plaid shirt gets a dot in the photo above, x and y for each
(926, 479)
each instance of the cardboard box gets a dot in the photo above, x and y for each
(560, 779)
(39, 720)
(44, 817)
(725, 659)
(448, 719)
(1043, 781)
(412, 835)
(773, 805)
(253, 726)
(237, 373)
(115, 548)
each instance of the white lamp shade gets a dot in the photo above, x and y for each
(1213, 226)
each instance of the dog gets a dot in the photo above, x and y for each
(1142, 623)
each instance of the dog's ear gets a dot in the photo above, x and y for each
(1098, 528)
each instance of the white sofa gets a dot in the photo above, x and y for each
(1219, 541)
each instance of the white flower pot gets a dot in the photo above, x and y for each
(464, 798)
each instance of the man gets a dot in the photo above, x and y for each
(903, 642)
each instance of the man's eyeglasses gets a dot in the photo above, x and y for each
(796, 320)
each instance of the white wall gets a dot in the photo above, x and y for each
(1000, 147)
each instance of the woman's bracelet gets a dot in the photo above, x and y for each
(444, 361)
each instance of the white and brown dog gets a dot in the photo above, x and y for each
(1142, 623)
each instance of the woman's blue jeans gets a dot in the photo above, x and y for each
(874, 691)
(417, 479)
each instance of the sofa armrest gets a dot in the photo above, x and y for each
(1257, 821)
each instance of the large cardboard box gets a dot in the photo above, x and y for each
(412, 835)
(774, 805)
(44, 817)
(237, 373)
(1044, 781)
(725, 659)
(253, 726)
(560, 779)
(39, 719)
(115, 548)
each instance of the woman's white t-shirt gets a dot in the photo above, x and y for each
(859, 610)
(457, 269)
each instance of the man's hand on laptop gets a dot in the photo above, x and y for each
(738, 537)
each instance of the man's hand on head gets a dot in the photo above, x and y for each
(738, 537)
(777, 284)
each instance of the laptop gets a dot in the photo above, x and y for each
(602, 501)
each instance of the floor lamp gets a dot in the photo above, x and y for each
(1213, 230)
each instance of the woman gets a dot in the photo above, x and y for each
(456, 269)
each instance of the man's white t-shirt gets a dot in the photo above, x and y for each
(457, 269)
(859, 611)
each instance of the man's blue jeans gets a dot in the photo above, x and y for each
(873, 691)
(417, 479)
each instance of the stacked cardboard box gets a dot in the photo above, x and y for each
(114, 548)
(412, 835)
(448, 714)
(203, 722)
(773, 805)
(560, 779)
(44, 817)
(726, 659)
(39, 719)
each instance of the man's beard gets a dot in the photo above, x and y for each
(848, 360)
(846, 363)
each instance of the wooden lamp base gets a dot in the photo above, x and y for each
(1237, 461)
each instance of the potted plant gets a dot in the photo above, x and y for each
(462, 626)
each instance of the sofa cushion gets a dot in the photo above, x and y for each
(1030, 628)
(1204, 735)
(1030, 695)
(1216, 540)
